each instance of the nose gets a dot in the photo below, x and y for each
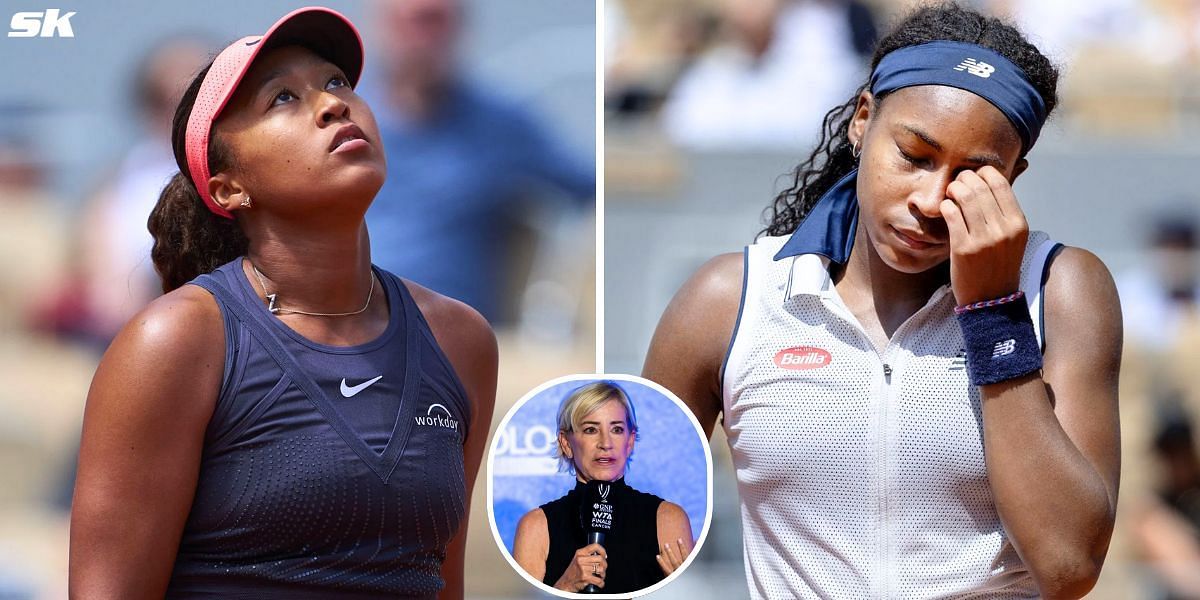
(330, 108)
(926, 197)
(605, 440)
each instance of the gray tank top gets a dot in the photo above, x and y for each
(328, 472)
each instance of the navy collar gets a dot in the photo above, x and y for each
(828, 229)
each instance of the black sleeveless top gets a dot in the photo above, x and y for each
(632, 544)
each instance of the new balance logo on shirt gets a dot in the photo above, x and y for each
(976, 67)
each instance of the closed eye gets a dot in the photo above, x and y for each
(915, 161)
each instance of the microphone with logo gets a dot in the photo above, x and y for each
(596, 516)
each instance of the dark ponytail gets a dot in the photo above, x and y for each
(832, 158)
(189, 240)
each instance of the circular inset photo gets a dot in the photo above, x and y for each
(599, 485)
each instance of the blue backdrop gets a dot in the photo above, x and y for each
(668, 458)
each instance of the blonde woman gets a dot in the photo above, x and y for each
(650, 537)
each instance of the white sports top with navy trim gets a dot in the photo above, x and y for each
(861, 475)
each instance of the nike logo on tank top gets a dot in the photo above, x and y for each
(322, 475)
(861, 475)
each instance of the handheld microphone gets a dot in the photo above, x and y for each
(596, 516)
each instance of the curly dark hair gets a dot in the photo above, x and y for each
(832, 158)
(189, 239)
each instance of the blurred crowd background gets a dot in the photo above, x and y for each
(709, 104)
(488, 117)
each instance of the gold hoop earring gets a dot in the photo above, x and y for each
(856, 150)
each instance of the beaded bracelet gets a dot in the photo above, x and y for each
(1013, 297)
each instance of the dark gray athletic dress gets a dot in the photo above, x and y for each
(328, 472)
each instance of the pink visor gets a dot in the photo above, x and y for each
(326, 31)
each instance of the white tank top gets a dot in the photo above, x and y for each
(860, 475)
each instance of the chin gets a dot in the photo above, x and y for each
(907, 261)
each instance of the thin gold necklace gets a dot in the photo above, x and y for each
(279, 309)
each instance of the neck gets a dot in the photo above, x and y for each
(867, 284)
(325, 270)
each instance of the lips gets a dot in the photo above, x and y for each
(605, 460)
(345, 134)
(916, 240)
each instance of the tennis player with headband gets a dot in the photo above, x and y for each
(920, 394)
(287, 421)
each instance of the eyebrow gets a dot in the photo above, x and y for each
(981, 159)
(620, 421)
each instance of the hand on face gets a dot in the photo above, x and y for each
(988, 232)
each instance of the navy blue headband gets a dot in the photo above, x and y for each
(969, 67)
(829, 227)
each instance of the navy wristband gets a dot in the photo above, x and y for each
(1001, 343)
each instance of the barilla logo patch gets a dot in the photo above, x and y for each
(800, 358)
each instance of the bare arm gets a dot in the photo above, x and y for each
(531, 545)
(1052, 443)
(143, 433)
(467, 339)
(689, 345)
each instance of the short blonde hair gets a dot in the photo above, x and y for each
(576, 407)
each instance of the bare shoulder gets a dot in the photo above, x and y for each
(531, 544)
(1082, 321)
(1080, 290)
(182, 324)
(454, 323)
(671, 512)
(688, 347)
(673, 523)
(718, 280)
(533, 523)
(1075, 270)
(709, 298)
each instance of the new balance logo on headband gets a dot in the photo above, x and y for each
(976, 67)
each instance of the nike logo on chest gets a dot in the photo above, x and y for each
(349, 391)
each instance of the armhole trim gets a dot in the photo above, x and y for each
(737, 325)
(1050, 256)
(1034, 282)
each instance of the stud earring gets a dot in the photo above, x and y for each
(246, 202)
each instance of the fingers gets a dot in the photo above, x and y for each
(589, 579)
(974, 199)
(1001, 189)
(665, 565)
(672, 556)
(956, 223)
(591, 549)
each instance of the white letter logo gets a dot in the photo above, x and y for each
(432, 420)
(976, 67)
(28, 24)
(1004, 348)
